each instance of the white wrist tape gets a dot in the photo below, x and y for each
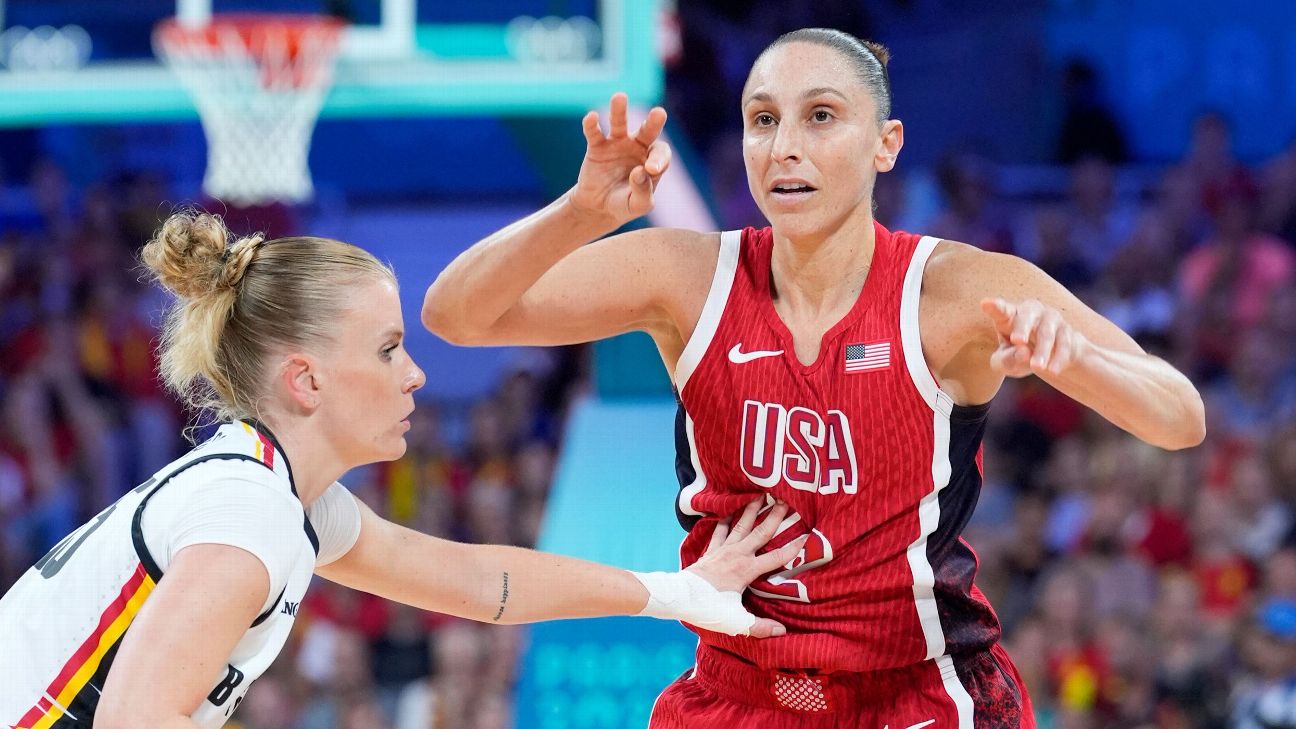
(687, 597)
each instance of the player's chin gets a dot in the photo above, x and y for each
(398, 450)
(393, 447)
(797, 223)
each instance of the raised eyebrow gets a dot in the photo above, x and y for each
(758, 96)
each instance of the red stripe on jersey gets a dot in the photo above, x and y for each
(88, 648)
(35, 714)
(267, 449)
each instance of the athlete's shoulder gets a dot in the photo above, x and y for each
(673, 256)
(681, 240)
(953, 269)
(961, 270)
(950, 254)
(235, 453)
(231, 467)
(957, 277)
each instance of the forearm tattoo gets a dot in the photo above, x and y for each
(503, 599)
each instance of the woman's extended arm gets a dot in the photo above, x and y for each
(509, 585)
(1004, 317)
(538, 282)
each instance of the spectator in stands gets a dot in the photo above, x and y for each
(971, 214)
(1100, 223)
(1089, 128)
(1278, 196)
(1266, 699)
(1140, 295)
(1239, 257)
(1257, 395)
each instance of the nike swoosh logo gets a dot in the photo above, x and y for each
(737, 356)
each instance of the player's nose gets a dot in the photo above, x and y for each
(414, 378)
(787, 143)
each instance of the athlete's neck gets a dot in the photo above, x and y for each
(820, 275)
(315, 462)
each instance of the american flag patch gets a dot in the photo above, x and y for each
(870, 356)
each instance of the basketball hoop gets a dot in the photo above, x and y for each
(259, 82)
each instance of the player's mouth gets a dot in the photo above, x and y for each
(791, 189)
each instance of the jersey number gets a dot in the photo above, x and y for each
(225, 688)
(789, 583)
(53, 561)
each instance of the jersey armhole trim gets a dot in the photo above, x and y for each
(712, 310)
(911, 334)
(137, 524)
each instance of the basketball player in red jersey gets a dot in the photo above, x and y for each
(828, 362)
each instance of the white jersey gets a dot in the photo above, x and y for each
(61, 624)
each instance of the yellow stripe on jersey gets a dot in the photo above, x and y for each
(260, 448)
(107, 638)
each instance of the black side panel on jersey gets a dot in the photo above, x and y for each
(310, 531)
(969, 624)
(86, 702)
(684, 471)
(137, 523)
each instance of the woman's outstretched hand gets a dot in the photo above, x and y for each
(731, 561)
(620, 169)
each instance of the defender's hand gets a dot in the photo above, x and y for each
(620, 170)
(730, 562)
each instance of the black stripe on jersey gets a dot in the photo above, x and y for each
(310, 534)
(86, 702)
(137, 528)
(684, 471)
(968, 624)
(67, 722)
(137, 523)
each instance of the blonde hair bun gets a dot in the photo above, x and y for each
(191, 255)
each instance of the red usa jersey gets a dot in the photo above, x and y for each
(879, 466)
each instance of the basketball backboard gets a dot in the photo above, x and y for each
(69, 60)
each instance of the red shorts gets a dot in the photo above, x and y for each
(974, 691)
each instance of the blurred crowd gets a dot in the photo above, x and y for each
(1137, 588)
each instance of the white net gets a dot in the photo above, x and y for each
(259, 84)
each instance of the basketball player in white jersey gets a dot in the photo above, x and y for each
(162, 610)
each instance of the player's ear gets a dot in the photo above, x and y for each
(300, 377)
(891, 139)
